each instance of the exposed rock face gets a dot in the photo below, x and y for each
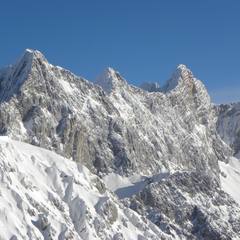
(228, 125)
(189, 205)
(114, 128)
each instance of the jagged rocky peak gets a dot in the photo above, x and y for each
(110, 80)
(170, 138)
(150, 86)
(182, 75)
(15, 75)
(32, 53)
(28, 59)
(29, 56)
(25, 63)
(57, 110)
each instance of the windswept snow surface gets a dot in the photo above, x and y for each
(125, 187)
(230, 178)
(45, 196)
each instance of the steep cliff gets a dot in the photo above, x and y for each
(110, 126)
(157, 148)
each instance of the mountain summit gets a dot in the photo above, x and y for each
(13, 77)
(110, 80)
(182, 75)
(158, 151)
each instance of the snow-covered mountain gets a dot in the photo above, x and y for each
(228, 125)
(46, 196)
(165, 168)
(113, 128)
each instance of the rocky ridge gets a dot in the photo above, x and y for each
(228, 125)
(115, 128)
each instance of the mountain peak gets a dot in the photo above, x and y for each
(110, 80)
(27, 59)
(30, 54)
(182, 67)
(181, 75)
(18, 73)
(25, 62)
(109, 72)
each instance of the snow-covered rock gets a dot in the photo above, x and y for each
(189, 205)
(182, 75)
(228, 125)
(157, 150)
(113, 128)
(46, 196)
(110, 80)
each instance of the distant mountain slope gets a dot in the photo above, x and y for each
(150, 87)
(228, 125)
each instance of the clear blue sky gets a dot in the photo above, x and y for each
(143, 40)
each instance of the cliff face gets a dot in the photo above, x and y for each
(228, 125)
(165, 138)
(110, 126)
(188, 205)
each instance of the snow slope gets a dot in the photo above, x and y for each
(125, 187)
(45, 196)
(230, 178)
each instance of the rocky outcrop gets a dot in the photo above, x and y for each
(113, 127)
(110, 126)
(45, 196)
(228, 125)
(189, 205)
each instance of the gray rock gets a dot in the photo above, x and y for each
(117, 128)
(190, 205)
(111, 126)
(228, 125)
